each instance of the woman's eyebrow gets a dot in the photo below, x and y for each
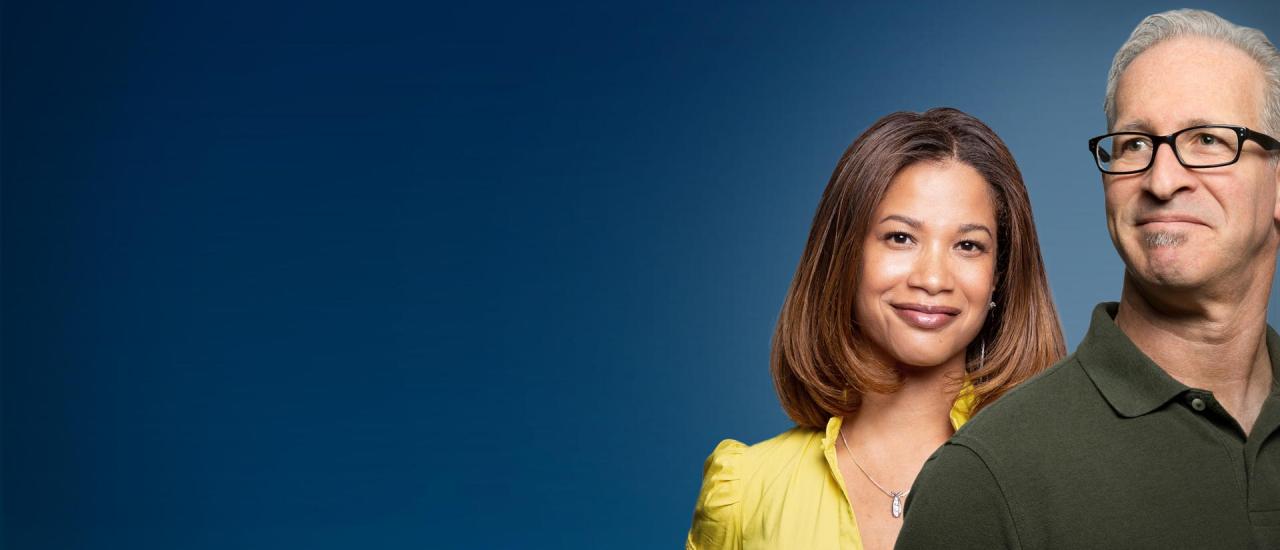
(965, 228)
(914, 223)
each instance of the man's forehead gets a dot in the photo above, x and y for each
(1188, 81)
(1144, 125)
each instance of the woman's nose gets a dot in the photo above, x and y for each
(931, 271)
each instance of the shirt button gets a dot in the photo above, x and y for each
(1197, 404)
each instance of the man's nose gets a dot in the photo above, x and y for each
(1167, 177)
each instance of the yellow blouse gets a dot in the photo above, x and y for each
(784, 492)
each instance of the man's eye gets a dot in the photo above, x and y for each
(1206, 139)
(1135, 145)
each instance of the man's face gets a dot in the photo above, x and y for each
(1189, 228)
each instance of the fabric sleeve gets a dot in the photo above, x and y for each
(956, 502)
(717, 514)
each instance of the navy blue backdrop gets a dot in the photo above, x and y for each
(372, 275)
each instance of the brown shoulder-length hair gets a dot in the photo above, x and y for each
(822, 363)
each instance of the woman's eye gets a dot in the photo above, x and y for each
(970, 246)
(898, 238)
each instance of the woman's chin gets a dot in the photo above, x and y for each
(916, 359)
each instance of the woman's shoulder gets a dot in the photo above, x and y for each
(748, 461)
(735, 469)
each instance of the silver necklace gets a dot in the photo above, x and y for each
(896, 508)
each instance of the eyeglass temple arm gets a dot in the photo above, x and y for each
(1267, 142)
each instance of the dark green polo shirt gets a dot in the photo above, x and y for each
(1103, 450)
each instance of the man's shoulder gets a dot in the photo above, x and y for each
(1038, 395)
(1060, 399)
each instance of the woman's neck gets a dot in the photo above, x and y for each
(918, 413)
(887, 441)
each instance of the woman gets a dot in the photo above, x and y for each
(920, 298)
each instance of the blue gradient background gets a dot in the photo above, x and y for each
(338, 275)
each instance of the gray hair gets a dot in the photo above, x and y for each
(1163, 26)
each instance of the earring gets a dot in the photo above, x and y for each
(991, 305)
(982, 357)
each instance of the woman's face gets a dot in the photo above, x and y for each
(928, 264)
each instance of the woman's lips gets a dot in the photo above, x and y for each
(926, 317)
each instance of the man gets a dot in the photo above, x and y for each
(1160, 431)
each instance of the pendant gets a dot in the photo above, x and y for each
(897, 504)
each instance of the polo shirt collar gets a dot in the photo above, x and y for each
(1129, 380)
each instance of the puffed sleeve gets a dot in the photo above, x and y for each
(718, 512)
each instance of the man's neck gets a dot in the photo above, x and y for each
(1218, 345)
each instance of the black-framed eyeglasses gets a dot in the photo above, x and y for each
(1206, 146)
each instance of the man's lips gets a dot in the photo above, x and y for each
(928, 317)
(1169, 218)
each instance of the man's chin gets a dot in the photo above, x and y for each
(1170, 273)
(1164, 258)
